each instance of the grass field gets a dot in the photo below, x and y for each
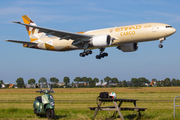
(72, 103)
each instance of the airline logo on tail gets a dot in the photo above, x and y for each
(34, 34)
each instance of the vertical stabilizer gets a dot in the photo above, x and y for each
(34, 34)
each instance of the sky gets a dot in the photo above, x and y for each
(148, 61)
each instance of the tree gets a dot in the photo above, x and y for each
(7, 85)
(77, 79)
(114, 80)
(31, 81)
(42, 80)
(107, 79)
(142, 81)
(159, 84)
(174, 82)
(54, 79)
(1, 82)
(124, 83)
(130, 84)
(66, 80)
(167, 82)
(96, 80)
(120, 83)
(154, 79)
(84, 79)
(20, 82)
(135, 82)
(101, 82)
(91, 82)
(178, 82)
(72, 84)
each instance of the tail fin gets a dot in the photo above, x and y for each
(34, 34)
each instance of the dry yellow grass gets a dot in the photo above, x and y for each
(90, 94)
(98, 90)
(120, 90)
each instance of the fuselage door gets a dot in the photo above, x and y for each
(154, 28)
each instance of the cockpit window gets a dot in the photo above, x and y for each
(168, 26)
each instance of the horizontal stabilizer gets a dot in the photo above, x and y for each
(21, 42)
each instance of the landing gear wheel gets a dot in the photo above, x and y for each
(102, 55)
(98, 57)
(105, 54)
(90, 52)
(81, 55)
(50, 114)
(86, 52)
(160, 46)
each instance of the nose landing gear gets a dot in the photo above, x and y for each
(160, 45)
(161, 41)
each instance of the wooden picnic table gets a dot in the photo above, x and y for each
(117, 106)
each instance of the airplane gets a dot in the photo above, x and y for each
(124, 38)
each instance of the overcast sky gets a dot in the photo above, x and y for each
(81, 15)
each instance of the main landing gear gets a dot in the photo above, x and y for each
(101, 55)
(86, 52)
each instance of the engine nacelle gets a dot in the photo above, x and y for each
(101, 40)
(128, 47)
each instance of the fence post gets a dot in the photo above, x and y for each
(175, 105)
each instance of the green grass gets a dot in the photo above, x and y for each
(78, 110)
(17, 104)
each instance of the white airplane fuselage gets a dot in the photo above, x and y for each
(123, 35)
(125, 38)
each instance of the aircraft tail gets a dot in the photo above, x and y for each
(34, 34)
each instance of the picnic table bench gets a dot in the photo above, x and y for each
(117, 107)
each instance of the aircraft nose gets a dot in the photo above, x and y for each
(173, 30)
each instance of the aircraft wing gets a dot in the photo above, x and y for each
(59, 33)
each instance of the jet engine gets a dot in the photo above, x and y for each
(128, 47)
(101, 40)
